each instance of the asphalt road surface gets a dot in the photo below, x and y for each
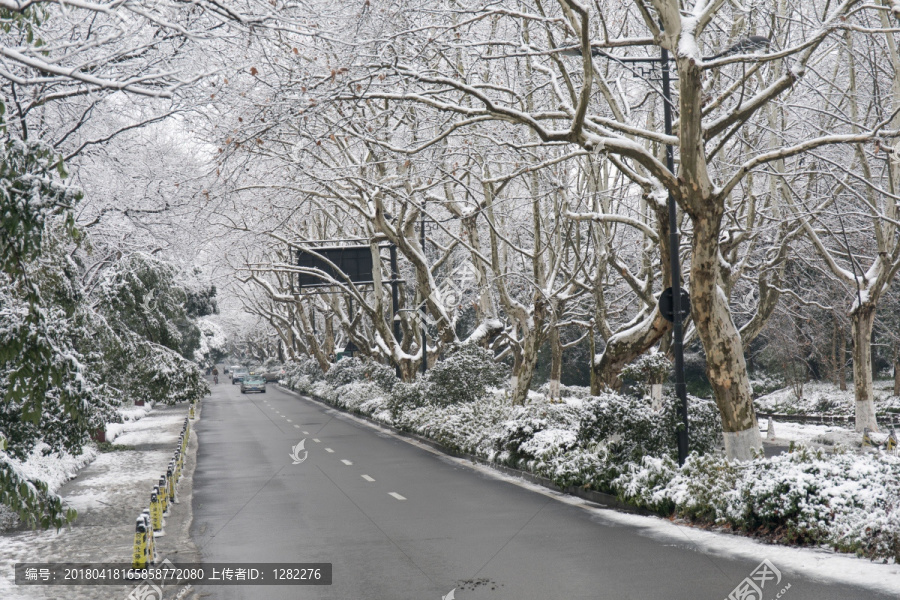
(399, 522)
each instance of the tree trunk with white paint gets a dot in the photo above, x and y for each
(725, 365)
(656, 396)
(862, 320)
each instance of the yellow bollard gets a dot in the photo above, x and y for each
(139, 557)
(164, 495)
(170, 478)
(892, 441)
(156, 511)
(192, 412)
(151, 542)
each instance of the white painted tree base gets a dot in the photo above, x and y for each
(740, 445)
(656, 396)
(554, 388)
(865, 416)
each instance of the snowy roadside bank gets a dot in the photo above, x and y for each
(108, 494)
(56, 469)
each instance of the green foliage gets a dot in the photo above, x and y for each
(201, 303)
(629, 429)
(68, 355)
(111, 447)
(353, 369)
(464, 375)
(406, 396)
(31, 500)
(141, 295)
(30, 195)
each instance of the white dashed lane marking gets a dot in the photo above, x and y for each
(346, 462)
(396, 495)
(298, 427)
(367, 478)
(329, 450)
(316, 440)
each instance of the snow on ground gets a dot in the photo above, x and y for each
(129, 415)
(810, 434)
(824, 398)
(109, 493)
(54, 469)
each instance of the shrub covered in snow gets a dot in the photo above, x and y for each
(848, 501)
(629, 429)
(354, 395)
(406, 396)
(650, 368)
(303, 372)
(349, 370)
(464, 375)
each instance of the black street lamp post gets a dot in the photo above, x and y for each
(424, 308)
(674, 240)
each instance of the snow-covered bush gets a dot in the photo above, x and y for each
(763, 383)
(306, 369)
(650, 368)
(464, 375)
(406, 396)
(848, 501)
(381, 375)
(536, 431)
(629, 429)
(349, 370)
(354, 395)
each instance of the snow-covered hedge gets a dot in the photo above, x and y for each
(848, 501)
(464, 375)
(618, 445)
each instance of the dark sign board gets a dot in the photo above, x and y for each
(667, 308)
(355, 262)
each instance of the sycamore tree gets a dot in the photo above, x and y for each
(449, 63)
